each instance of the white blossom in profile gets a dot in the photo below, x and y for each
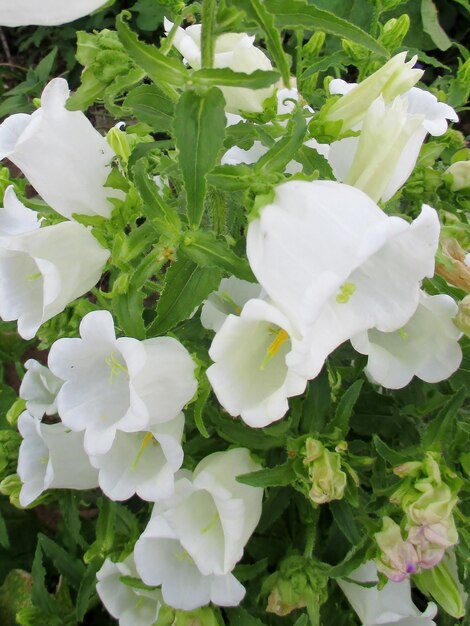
(389, 606)
(336, 265)
(61, 154)
(42, 270)
(250, 375)
(426, 346)
(51, 457)
(46, 12)
(119, 384)
(233, 50)
(39, 389)
(130, 605)
(142, 463)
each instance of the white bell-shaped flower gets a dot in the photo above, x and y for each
(39, 388)
(426, 346)
(143, 463)
(250, 376)
(64, 158)
(118, 384)
(130, 605)
(389, 606)
(51, 457)
(336, 265)
(233, 50)
(44, 269)
(232, 294)
(15, 218)
(195, 538)
(46, 12)
(380, 160)
(161, 559)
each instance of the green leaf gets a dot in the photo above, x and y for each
(431, 25)
(186, 286)
(40, 596)
(204, 390)
(205, 249)
(151, 106)
(199, 132)
(157, 66)
(160, 214)
(241, 617)
(278, 476)
(352, 560)
(259, 79)
(236, 432)
(258, 11)
(297, 14)
(277, 157)
(70, 567)
(345, 408)
(344, 518)
(87, 590)
(302, 621)
(232, 177)
(388, 454)
(128, 309)
(337, 59)
(439, 431)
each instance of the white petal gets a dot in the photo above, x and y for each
(46, 13)
(15, 218)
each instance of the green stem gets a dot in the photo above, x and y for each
(299, 35)
(207, 35)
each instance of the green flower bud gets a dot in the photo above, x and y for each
(206, 616)
(314, 45)
(324, 468)
(443, 585)
(462, 319)
(458, 175)
(412, 468)
(119, 143)
(11, 487)
(394, 31)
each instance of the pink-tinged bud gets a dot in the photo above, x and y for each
(433, 506)
(398, 558)
(412, 468)
(431, 541)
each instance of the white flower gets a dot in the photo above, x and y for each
(161, 560)
(250, 376)
(130, 605)
(391, 80)
(39, 388)
(51, 457)
(383, 153)
(233, 50)
(46, 12)
(195, 538)
(336, 265)
(118, 384)
(229, 298)
(426, 346)
(391, 605)
(43, 270)
(64, 158)
(382, 158)
(143, 463)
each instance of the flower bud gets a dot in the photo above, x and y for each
(434, 505)
(395, 31)
(328, 479)
(451, 264)
(458, 175)
(11, 487)
(412, 468)
(118, 142)
(431, 541)
(391, 80)
(206, 616)
(298, 583)
(462, 319)
(398, 558)
(442, 583)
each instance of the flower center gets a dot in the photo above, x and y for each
(211, 524)
(345, 292)
(115, 366)
(145, 442)
(274, 347)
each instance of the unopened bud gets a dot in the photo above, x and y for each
(451, 264)
(324, 468)
(394, 31)
(397, 558)
(314, 45)
(462, 319)
(433, 506)
(119, 143)
(458, 175)
(443, 585)
(412, 468)
(11, 487)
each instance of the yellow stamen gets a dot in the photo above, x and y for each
(211, 524)
(346, 291)
(274, 347)
(34, 276)
(403, 334)
(145, 442)
(116, 366)
(184, 556)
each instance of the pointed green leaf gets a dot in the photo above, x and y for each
(345, 408)
(298, 14)
(186, 286)
(70, 567)
(284, 150)
(439, 430)
(151, 106)
(232, 177)
(431, 25)
(344, 517)
(259, 79)
(205, 249)
(157, 66)
(278, 476)
(199, 132)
